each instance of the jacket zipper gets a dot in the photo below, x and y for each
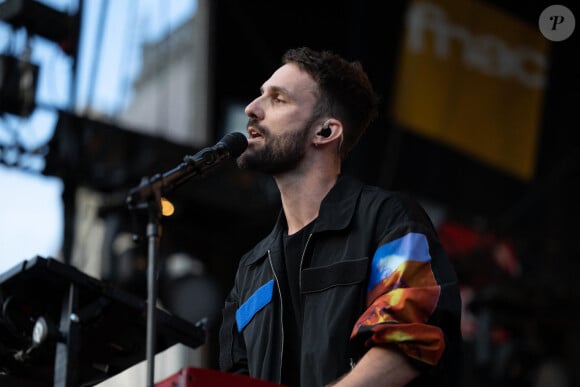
(300, 282)
(281, 315)
(301, 261)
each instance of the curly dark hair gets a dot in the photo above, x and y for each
(346, 92)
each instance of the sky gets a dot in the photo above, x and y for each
(31, 220)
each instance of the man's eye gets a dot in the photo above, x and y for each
(277, 99)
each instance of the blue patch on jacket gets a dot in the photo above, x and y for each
(410, 247)
(254, 304)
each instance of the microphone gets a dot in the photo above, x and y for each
(230, 146)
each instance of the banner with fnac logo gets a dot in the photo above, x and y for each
(472, 76)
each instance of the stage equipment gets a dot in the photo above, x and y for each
(60, 327)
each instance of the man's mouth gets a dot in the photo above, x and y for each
(254, 134)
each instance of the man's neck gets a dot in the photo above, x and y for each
(301, 197)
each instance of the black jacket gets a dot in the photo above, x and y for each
(370, 253)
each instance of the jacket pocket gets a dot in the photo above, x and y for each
(350, 272)
(258, 300)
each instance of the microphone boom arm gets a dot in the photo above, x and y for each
(163, 183)
(232, 145)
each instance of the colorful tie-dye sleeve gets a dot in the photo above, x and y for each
(402, 294)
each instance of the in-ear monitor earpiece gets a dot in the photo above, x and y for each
(325, 132)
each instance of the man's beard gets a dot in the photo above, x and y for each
(280, 153)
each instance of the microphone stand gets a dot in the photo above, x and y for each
(153, 247)
(153, 233)
(148, 195)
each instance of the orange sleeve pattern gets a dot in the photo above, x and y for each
(402, 295)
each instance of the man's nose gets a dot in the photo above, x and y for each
(253, 109)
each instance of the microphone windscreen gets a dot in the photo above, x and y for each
(236, 143)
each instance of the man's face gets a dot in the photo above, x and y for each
(279, 122)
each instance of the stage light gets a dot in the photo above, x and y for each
(18, 80)
(42, 20)
(167, 208)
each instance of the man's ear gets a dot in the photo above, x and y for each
(330, 130)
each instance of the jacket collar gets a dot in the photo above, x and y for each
(337, 208)
(336, 212)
